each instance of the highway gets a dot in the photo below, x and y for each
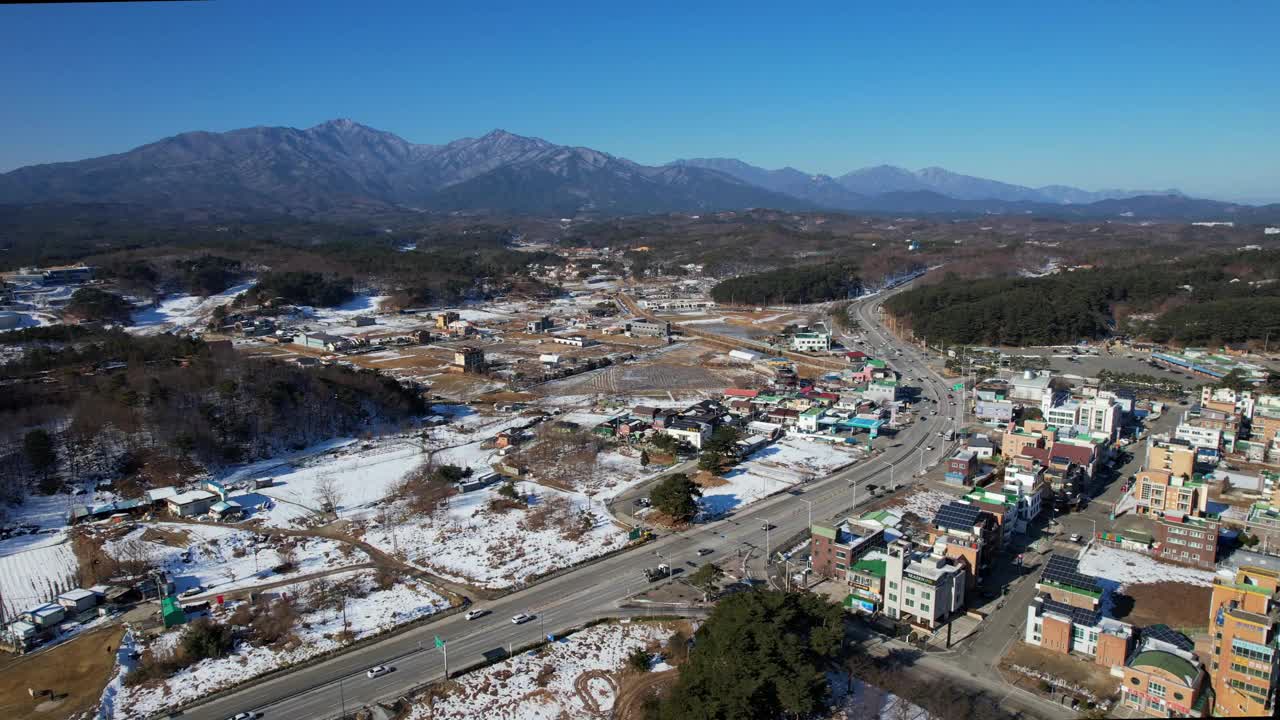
(326, 689)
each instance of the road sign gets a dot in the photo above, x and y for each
(958, 387)
(439, 642)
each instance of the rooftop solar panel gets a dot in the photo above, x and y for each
(1167, 634)
(957, 516)
(1063, 570)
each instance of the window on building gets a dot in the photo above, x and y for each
(840, 566)
(1156, 689)
(911, 590)
(911, 603)
(893, 597)
(893, 585)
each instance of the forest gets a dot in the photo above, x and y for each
(1224, 297)
(790, 285)
(150, 407)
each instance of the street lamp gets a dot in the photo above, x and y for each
(810, 504)
(890, 465)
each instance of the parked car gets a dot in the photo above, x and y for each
(473, 614)
(191, 591)
(1077, 538)
(377, 671)
(704, 551)
(521, 618)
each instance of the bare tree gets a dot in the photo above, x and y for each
(328, 492)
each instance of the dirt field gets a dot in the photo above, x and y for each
(1075, 670)
(1177, 605)
(636, 688)
(76, 671)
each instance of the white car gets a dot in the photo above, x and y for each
(473, 614)
(1077, 538)
(246, 716)
(377, 671)
(521, 618)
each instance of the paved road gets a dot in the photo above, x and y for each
(325, 689)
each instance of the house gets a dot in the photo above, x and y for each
(363, 321)
(227, 510)
(645, 413)
(573, 340)
(981, 446)
(881, 392)
(962, 467)
(469, 360)
(1066, 615)
(1164, 678)
(190, 503)
(541, 325)
(808, 420)
(691, 431)
(995, 411)
(323, 341)
(78, 601)
(445, 319)
(923, 589)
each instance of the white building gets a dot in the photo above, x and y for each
(922, 588)
(811, 342)
(1096, 414)
(1199, 437)
(1030, 387)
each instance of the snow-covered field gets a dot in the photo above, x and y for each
(316, 632)
(222, 558)
(28, 578)
(182, 312)
(773, 469)
(474, 544)
(924, 503)
(1131, 568)
(582, 682)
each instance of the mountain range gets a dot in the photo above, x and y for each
(341, 167)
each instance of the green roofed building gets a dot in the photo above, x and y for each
(172, 612)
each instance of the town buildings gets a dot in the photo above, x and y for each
(1163, 677)
(1066, 615)
(811, 342)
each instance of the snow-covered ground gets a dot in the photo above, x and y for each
(182, 312)
(472, 543)
(28, 578)
(223, 558)
(582, 683)
(922, 502)
(773, 469)
(316, 631)
(1131, 568)
(861, 701)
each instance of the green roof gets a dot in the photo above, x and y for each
(1071, 588)
(1179, 667)
(814, 412)
(871, 567)
(826, 532)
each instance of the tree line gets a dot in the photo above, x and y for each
(149, 408)
(1226, 297)
(790, 285)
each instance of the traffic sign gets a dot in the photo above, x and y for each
(439, 642)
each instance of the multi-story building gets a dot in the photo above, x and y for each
(835, 549)
(923, 589)
(1175, 457)
(1198, 436)
(1243, 619)
(1096, 414)
(648, 328)
(811, 341)
(1066, 615)
(965, 532)
(962, 467)
(1181, 537)
(468, 360)
(1160, 491)
(1163, 677)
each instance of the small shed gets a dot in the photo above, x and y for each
(78, 600)
(45, 616)
(227, 510)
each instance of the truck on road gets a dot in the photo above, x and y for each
(663, 570)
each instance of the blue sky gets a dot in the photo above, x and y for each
(1129, 94)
